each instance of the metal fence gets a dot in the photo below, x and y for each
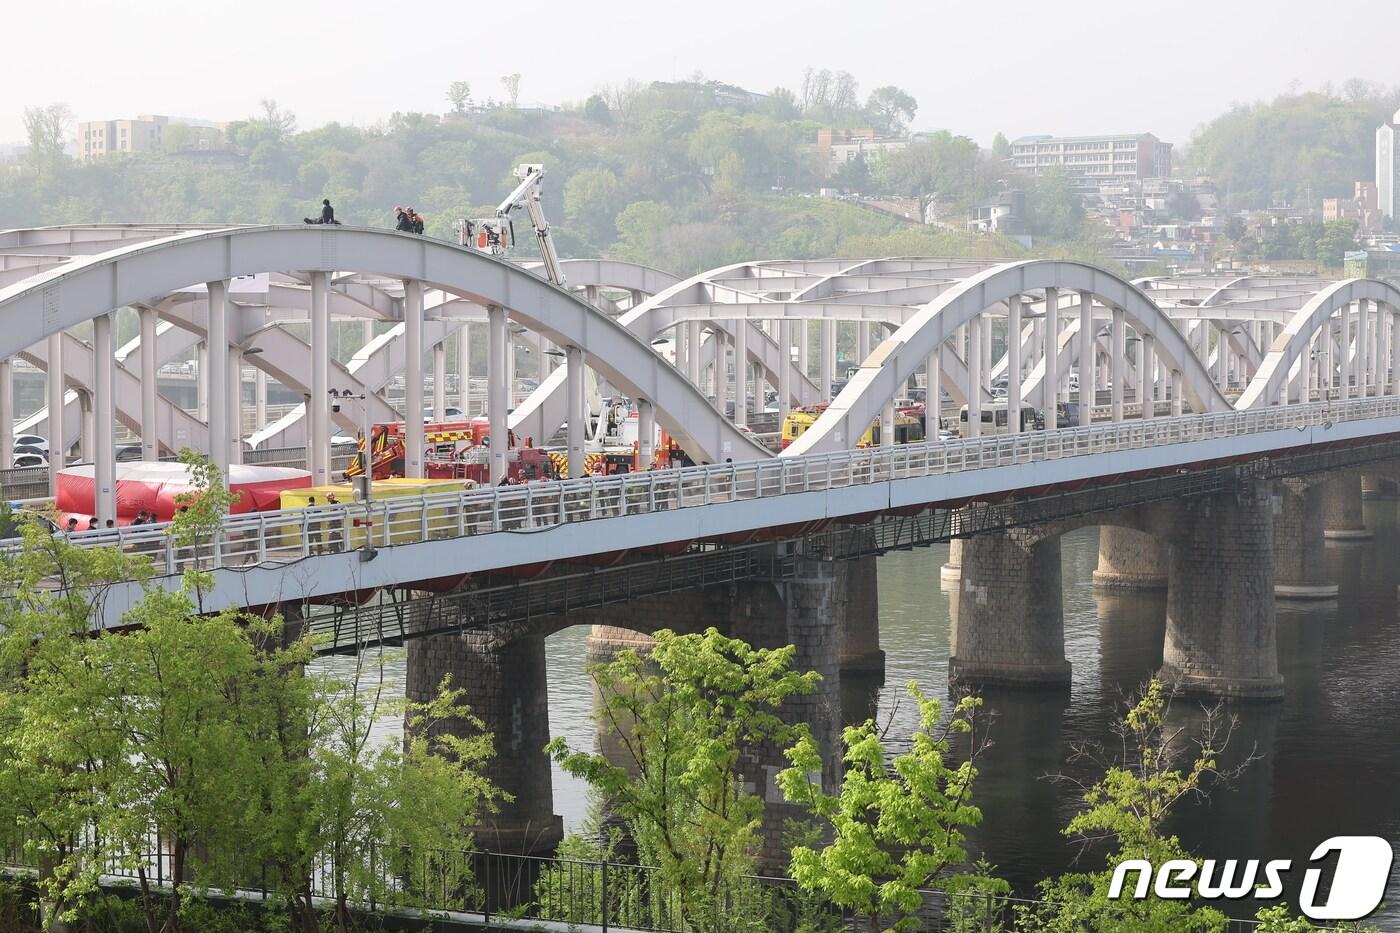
(285, 536)
(491, 887)
(25, 482)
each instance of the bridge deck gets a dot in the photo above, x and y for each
(267, 558)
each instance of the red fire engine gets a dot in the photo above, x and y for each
(453, 450)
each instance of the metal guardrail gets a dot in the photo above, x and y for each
(25, 482)
(390, 619)
(482, 888)
(285, 536)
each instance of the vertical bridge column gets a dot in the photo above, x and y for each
(1009, 629)
(497, 390)
(7, 414)
(235, 405)
(318, 457)
(1221, 638)
(413, 378)
(150, 443)
(1088, 351)
(440, 381)
(784, 370)
(505, 685)
(826, 366)
(217, 355)
(58, 444)
(1299, 544)
(464, 369)
(1013, 365)
(104, 392)
(741, 372)
(1050, 386)
(573, 392)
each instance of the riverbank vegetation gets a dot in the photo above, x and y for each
(192, 753)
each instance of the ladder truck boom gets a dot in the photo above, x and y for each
(527, 195)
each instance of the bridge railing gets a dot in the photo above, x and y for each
(280, 537)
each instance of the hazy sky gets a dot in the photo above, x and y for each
(1019, 66)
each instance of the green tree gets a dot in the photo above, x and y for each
(1053, 210)
(1338, 237)
(940, 165)
(383, 812)
(1158, 766)
(459, 95)
(51, 751)
(1001, 147)
(891, 108)
(684, 717)
(591, 201)
(46, 131)
(596, 109)
(640, 228)
(853, 176)
(897, 822)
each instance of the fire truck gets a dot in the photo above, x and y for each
(453, 450)
(908, 426)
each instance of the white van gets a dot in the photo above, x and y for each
(994, 418)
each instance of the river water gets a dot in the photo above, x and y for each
(1329, 752)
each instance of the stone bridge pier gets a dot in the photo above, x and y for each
(1216, 554)
(1300, 544)
(1341, 509)
(502, 669)
(809, 611)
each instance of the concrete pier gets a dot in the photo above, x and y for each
(503, 674)
(1300, 564)
(1221, 638)
(1341, 511)
(861, 654)
(1130, 559)
(1009, 626)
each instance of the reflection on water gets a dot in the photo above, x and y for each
(1330, 750)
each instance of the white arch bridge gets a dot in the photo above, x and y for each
(1039, 332)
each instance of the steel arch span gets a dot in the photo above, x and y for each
(1295, 341)
(904, 352)
(83, 289)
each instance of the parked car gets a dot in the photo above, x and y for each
(31, 460)
(32, 440)
(126, 453)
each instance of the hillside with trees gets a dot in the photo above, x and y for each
(1297, 149)
(680, 175)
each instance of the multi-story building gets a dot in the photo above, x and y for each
(835, 148)
(1388, 166)
(1094, 158)
(99, 138)
(1363, 208)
